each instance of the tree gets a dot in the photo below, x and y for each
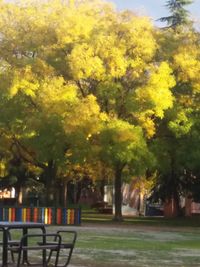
(39, 105)
(124, 149)
(68, 83)
(179, 15)
(129, 82)
(177, 170)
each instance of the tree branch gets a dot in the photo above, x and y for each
(25, 154)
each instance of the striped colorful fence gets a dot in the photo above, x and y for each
(59, 216)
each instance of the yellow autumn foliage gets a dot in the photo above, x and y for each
(84, 64)
(85, 115)
(186, 61)
(155, 96)
(54, 95)
(157, 89)
(24, 81)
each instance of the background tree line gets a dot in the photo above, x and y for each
(89, 91)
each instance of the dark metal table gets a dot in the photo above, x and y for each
(6, 226)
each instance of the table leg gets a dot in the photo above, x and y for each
(25, 252)
(5, 249)
(44, 250)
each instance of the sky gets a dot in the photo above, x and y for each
(154, 8)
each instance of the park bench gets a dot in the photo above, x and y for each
(36, 242)
(103, 207)
(58, 246)
(10, 244)
(61, 246)
(68, 239)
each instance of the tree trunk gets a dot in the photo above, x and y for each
(188, 205)
(50, 182)
(63, 194)
(175, 199)
(102, 188)
(118, 195)
(18, 190)
(64, 200)
(57, 195)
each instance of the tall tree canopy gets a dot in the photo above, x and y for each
(80, 81)
(179, 15)
(177, 132)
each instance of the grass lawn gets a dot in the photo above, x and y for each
(137, 246)
(138, 242)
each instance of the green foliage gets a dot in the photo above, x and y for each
(123, 144)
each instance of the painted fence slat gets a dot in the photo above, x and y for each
(50, 215)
